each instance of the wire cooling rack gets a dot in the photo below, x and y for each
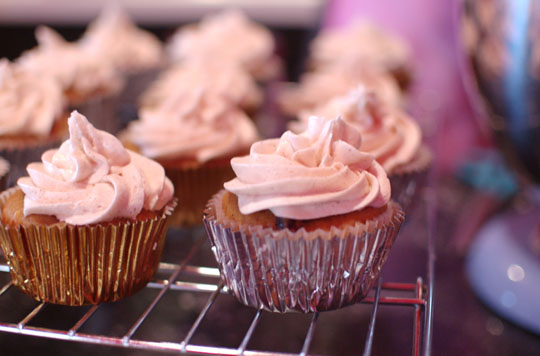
(185, 277)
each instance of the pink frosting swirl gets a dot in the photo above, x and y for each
(228, 36)
(92, 178)
(227, 80)
(74, 68)
(116, 38)
(363, 41)
(194, 124)
(318, 173)
(387, 132)
(319, 87)
(28, 106)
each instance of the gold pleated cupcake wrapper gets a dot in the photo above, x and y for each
(194, 187)
(76, 265)
(284, 271)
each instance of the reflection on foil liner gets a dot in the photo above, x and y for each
(87, 264)
(284, 271)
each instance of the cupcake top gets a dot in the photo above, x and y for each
(76, 70)
(114, 37)
(317, 88)
(28, 106)
(92, 178)
(389, 134)
(228, 36)
(193, 125)
(363, 41)
(318, 173)
(223, 79)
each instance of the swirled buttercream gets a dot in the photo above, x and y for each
(319, 87)
(114, 37)
(318, 173)
(77, 70)
(193, 125)
(92, 178)
(363, 41)
(28, 106)
(389, 134)
(219, 78)
(228, 36)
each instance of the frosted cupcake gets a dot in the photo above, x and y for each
(32, 116)
(228, 36)
(307, 223)
(193, 135)
(132, 51)
(319, 87)
(88, 224)
(221, 79)
(388, 133)
(90, 83)
(366, 43)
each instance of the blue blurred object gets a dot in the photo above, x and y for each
(488, 173)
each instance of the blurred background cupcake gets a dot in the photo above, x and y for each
(33, 115)
(135, 53)
(89, 82)
(193, 134)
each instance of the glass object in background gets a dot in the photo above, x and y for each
(500, 43)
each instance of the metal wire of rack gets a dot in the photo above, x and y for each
(417, 295)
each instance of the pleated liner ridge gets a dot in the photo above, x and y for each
(76, 265)
(283, 271)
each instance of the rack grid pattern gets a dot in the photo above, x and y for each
(417, 296)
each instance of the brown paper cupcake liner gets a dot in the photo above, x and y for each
(76, 265)
(284, 271)
(194, 187)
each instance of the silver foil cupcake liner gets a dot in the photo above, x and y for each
(284, 272)
(405, 186)
(407, 182)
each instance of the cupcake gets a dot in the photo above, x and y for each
(88, 224)
(365, 43)
(388, 133)
(228, 36)
(217, 78)
(307, 223)
(137, 54)
(193, 135)
(319, 87)
(90, 83)
(32, 115)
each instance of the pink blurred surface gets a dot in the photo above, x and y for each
(437, 98)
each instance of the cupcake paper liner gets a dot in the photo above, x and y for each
(405, 186)
(194, 187)
(76, 265)
(136, 84)
(284, 271)
(408, 179)
(19, 157)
